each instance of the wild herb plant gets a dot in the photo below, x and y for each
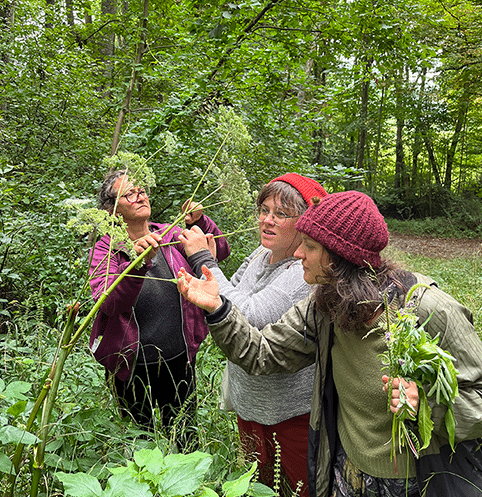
(152, 473)
(414, 355)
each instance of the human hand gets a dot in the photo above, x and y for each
(195, 240)
(203, 293)
(194, 211)
(150, 240)
(403, 393)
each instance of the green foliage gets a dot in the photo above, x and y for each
(284, 79)
(414, 355)
(151, 473)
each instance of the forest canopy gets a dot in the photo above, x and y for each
(377, 96)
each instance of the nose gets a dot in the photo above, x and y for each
(298, 253)
(269, 219)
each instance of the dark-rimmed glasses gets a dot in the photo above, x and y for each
(278, 216)
(133, 196)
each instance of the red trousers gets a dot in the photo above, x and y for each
(292, 436)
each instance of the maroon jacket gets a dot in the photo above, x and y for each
(114, 339)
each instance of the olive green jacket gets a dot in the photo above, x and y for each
(302, 337)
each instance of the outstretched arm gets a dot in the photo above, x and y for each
(203, 293)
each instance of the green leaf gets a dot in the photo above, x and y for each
(208, 492)
(80, 485)
(125, 485)
(152, 460)
(17, 408)
(450, 425)
(12, 434)
(16, 389)
(6, 465)
(260, 490)
(425, 423)
(240, 486)
(184, 472)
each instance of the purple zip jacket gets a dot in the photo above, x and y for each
(114, 339)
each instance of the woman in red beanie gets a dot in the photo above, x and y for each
(342, 328)
(265, 286)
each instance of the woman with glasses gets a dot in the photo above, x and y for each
(264, 287)
(144, 334)
(342, 328)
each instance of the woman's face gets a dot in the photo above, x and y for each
(277, 231)
(314, 258)
(133, 212)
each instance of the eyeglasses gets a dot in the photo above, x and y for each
(278, 216)
(133, 196)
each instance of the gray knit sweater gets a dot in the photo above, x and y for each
(264, 292)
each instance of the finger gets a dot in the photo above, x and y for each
(197, 229)
(207, 273)
(151, 241)
(405, 383)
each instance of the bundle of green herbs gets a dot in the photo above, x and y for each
(412, 354)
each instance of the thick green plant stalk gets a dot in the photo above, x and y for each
(49, 390)
(48, 394)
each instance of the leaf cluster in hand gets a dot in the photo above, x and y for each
(414, 355)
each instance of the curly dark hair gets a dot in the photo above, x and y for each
(353, 293)
(107, 194)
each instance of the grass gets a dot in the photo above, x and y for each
(459, 277)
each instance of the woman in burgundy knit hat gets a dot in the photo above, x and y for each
(342, 328)
(264, 287)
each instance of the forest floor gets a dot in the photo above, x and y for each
(443, 248)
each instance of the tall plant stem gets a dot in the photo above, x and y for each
(48, 394)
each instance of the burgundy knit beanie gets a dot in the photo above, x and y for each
(349, 224)
(307, 187)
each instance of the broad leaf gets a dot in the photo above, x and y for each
(152, 460)
(125, 485)
(80, 485)
(12, 434)
(184, 473)
(6, 464)
(241, 485)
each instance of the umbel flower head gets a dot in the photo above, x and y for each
(135, 165)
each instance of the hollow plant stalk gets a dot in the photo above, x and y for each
(49, 390)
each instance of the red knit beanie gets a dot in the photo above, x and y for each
(307, 187)
(349, 224)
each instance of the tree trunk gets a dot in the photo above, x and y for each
(69, 9)
(107, 44)
(373, 172)
(319, 134)
(141, 46)
(431, 156)
(459, 124)
(362, 135)
(7, 16)
(49, 17)
(400, 170)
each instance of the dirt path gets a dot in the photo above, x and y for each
(436, 247)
